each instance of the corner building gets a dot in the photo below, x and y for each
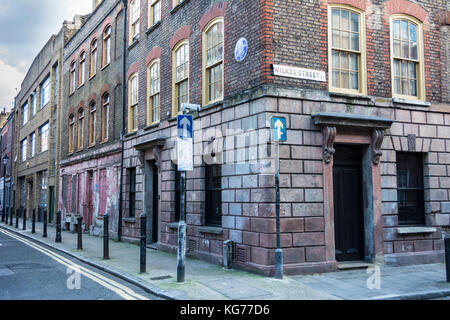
(363, 86)
(91, 120)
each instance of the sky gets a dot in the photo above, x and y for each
(25, 27)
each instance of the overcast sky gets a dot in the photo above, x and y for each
(25, 26)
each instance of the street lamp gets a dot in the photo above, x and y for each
(5, 162)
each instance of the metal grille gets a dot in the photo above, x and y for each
(240, 254)
(192, 245)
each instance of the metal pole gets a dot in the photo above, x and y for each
(3, 203)
(24, 219)
(58, 227)
(181, 249)
(79, 244)
(17, 217)
(447, 257)
(44, 234)
(33, 221)
(278, 251)
(105, 237)
(143, 258)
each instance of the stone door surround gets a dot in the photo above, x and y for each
(364, 130)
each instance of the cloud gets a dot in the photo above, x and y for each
(25, 27)
(10, 79)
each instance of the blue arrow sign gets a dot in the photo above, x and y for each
(184, 125)
(279, 129)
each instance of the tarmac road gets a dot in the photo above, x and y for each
(30, 271)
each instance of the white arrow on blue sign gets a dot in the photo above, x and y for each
(184, 125)
(279, 129)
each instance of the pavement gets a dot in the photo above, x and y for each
(206, 281)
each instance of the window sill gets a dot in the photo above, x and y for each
(130, 134)
(414, 230)
(172, 225)
(349, 95)
(212, 230)
(153, 27)
(104, 141)
(129, 220)
(152, 126)
(105, 66)
(133, 44)
(211, 105)
(92, 77)
(79, 87)
(91, 146)
(418, 103)
(178, 6)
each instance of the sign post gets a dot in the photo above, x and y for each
(278, 134)
(185, 163)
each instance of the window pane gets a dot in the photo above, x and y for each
(396, 67)
(354, 80)
(355, 41)
(397, 86)
(345, 40)
(345, 24)
(405, 49)
(396, 29)
(335, 59)
(413, 87)
(412, 32)
(353, 62)
(413, 50)
(354, 22)
(335, 18)
(345, 80)
(336, 41)
(396, 48)
(404, 30)
(336, 79)
(344, 60)
(412, 70)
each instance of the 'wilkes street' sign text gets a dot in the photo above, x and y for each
(298, 73)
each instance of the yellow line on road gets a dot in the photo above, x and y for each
(114, 286)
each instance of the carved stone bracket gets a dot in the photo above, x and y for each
(157, 150)
(329, 134)
(156, 145)
(377, 141)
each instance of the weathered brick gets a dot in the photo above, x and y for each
(308, 239)
(315, 254)
(314, 224)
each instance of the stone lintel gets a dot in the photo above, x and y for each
(332, 119)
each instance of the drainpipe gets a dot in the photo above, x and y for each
(122, 134)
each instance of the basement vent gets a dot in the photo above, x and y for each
(192, 245)
(241, 254)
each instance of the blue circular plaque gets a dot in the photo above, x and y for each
(240, 52)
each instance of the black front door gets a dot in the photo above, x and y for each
(155, 208)
(348, 209)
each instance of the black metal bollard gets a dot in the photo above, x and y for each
(447, 257)
(11, 213)
(17, 218)
(143, 242)
(105, 237)
(8, 216)
(3, 214)
(44, 233)
(33, 221)
(24, 219)
(79, 244)
(58, 227)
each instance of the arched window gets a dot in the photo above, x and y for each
(92, 122)
(80, 133)
(213, 62)
(81, 69)
(93, 67)
(72, 77)
(134, 21)
(407, 58)
(71, 132)
(133, 102)
(153, 92)
(180, 62)
(106, 46)
(347, 50)
(105, 116)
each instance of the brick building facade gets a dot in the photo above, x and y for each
(6, 195)
(368, 142)
(36, 128)
(92, 119)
